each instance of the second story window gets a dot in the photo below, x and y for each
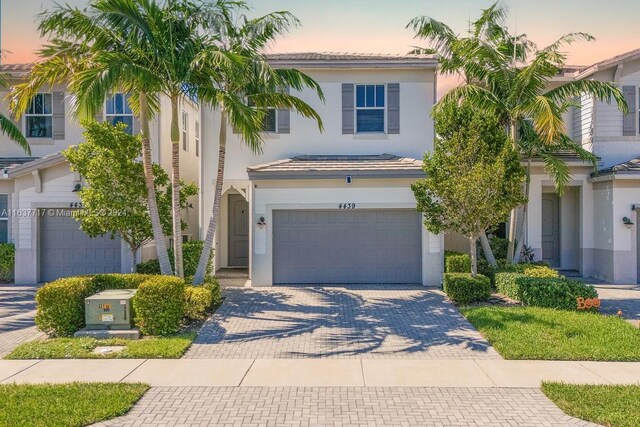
(4, 218)
(370, 108)
(39, 118)
(185, 133)
(270, 120)
(118, 111)
(197, 138)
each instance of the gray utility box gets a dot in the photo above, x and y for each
(110, 309)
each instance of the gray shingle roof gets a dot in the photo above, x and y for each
(632, 165)
(338, 166)
(339, 56)
(10, 162)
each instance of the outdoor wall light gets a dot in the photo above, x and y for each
(627, 221)
(76, 188)
(5, 172)
(261, 222)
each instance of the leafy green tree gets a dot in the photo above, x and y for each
(510, 76)
(474, 177)
(246, 88)
(115, 198)
(7, 127)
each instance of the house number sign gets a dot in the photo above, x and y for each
(347, 206)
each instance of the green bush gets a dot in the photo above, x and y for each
(560, 293)
(159, 305)
(463, 288)
(499, 247)
(190, 257)
(198, 301)
(119, 281)
(213, 286)
(550, 292)
(60, 305)
(457, 262)
(541, 272)
(7, 261)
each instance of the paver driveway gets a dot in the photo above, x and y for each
(339, 322)
(17, 310)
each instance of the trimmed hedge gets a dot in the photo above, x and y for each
(190, 257)
(550, 292)
(463, 288)
(60, 304)
(457, 262)
(7, 262)
(198, 300)
(159, 305)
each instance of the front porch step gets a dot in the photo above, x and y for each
(569, 273)
(232, 273)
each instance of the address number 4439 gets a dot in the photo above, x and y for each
(347, 206)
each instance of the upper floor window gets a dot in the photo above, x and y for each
(118, 111)
(370, 108)
(197, 138)
(270, 120)
(4, 218)
(39, 117)
(185, 133)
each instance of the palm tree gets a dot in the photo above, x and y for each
(97, 51)
(244, 92)
(7, 127)
(507, 74)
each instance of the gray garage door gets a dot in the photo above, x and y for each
(68, 251)
(346, 246)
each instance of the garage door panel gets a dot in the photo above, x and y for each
(352, 246)
(67, 251)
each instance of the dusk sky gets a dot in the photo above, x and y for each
(378, 25)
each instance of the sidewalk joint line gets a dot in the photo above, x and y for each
(133, 370)
(579, 362)
(247, 372)
(21, 370)
(364, 381)
(485, 373)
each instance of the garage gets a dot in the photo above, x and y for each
(65, 250)
(373, 246)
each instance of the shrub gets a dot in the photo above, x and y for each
(198, 301)
(560, 293)
(190, 257)
(499, 247)
(541, 272)
(61, 305)
(457, 262)
(159, 305)
(216, 291)
(119, 281)
(506, 284)
(7, 261)
(463, 288)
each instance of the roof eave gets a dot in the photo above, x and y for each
(373, 174)
(355, 64)
(42, 163)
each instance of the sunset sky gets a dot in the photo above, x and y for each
(378, 25)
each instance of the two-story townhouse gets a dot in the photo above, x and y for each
(38, 193)
(591, 229)
(335, 206)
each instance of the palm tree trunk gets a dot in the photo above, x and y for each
(513, 220)
(486, 250)
(156, 226)
(175, 188)
(525, 213)
(474, 256)
(215, 214)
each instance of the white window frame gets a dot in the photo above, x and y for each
(125, 100)
(356, 108)
(5, 219)
(50, 114)
(197, 138)
(185, 131)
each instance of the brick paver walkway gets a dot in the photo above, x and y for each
(398, 322)
(620, 297)
(17, 310)
(344, 406)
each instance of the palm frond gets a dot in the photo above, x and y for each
(8, 128)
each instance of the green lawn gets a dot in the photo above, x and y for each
(67, 405)
(171, 347)
(610, 405)
(545, 334)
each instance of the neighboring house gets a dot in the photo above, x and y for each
(39, 192)
(584, 230)
(332, 207)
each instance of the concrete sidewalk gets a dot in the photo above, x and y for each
(321, 373)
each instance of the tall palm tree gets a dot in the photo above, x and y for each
(7, 127)
(507, 74)
(244, 92)
(96, 51)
